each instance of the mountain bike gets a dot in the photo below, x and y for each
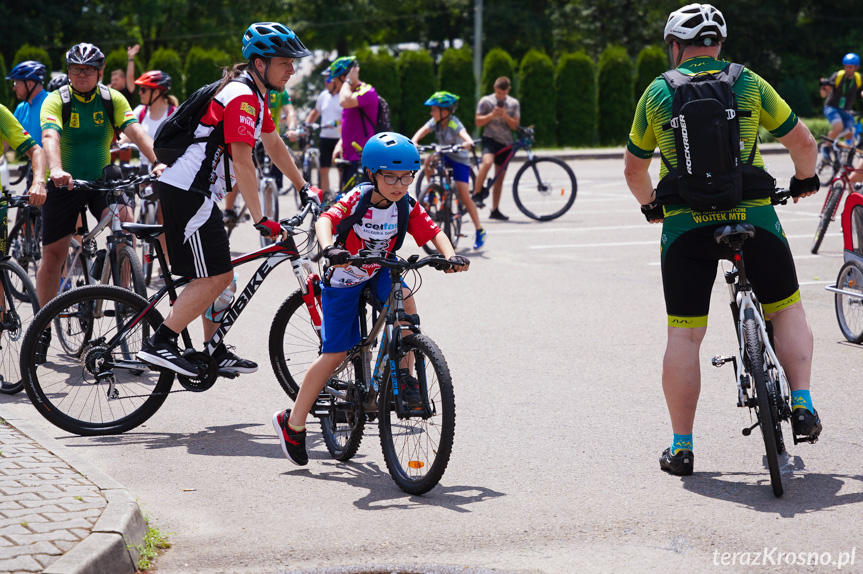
(417, 439)
(103, 388)
(439, 197)
(544, 188)
(309, 160)
(147, 215)
(352, 179)
(18, 305)
(833, 154)
(25, 240)
(762, 386)
(848, 290)
(839, 185)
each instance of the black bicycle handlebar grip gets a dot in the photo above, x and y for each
(797, 187)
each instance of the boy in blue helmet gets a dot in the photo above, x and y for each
(390, 161)
(841, 89)
(449, 130)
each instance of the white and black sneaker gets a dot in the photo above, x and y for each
(166, 355)
(231, 362)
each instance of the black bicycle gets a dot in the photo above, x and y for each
(18, 306)
(439, 197)
(93, 383)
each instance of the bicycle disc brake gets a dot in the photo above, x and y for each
(207, 369)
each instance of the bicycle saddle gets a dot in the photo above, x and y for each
(144, 232)
(739, 229)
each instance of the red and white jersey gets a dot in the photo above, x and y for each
(238, 114)
(377, 230)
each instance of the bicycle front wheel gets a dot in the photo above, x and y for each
(849, 308)
(452, 217)
(148, 252)
(16, 313)
(544, 189)
(129, 274)
(343, 426)
(25, 245)
(294, 343)
(102, 391)
(827, 213)
(432, 198)
(768, 417)
(417, 449)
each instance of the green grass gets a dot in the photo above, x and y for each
(154, 542)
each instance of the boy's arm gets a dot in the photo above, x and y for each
(442, 243)
(469, 143)
(420, 134)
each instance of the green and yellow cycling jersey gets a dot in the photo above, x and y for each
(276, 101)
(752, 93)
(85, 142)
(12, 132)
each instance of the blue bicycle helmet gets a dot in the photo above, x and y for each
(390, 150)
(442, 100)
(851, 59)
(28, 70)
(339, 67)
(272, 40)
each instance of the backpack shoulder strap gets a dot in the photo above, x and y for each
(675, 78)
(107, 102)
(839, 77)
(66, 100)
(405, 206)
(733, 72)
(344, 227)
(142, 115)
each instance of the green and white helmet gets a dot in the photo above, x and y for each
(443, 100)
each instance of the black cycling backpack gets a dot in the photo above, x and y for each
(383, 123)
(405, 204)
(705, 120)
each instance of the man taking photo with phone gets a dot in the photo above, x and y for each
(498, 114)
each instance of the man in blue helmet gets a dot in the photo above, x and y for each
(27, 80)
(842, 86)
(362, 219)
(191, 188)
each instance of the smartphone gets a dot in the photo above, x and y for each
(501, 103)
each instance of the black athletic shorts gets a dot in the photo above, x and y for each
(194, 233)
(327, 147)
(690, 259)
(492, 146)
(62, 207)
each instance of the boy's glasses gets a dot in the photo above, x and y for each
(392, 179)
(82, 71)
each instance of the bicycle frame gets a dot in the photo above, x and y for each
(521, 143)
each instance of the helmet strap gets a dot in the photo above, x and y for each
(384, 203)
(262, 78)
(29, 89)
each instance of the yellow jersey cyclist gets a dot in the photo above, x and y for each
(77, 143)
(689, 253)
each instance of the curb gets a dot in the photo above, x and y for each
(110, 548)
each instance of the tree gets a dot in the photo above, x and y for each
(204, 67)
(4, 86)
(416, 75)
(575, 85)
(536, 82)
(498, 63)
(616, 104)
(169, 62)
(652, 61)
(28, 52)
(455, 74)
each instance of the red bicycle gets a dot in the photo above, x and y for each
(840, 183)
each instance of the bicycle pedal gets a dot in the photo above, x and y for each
(228, 374)
(718, 361)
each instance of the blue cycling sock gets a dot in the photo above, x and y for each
(802, 400)
(681, 442)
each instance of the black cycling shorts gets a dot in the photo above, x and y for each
(327, 147)
(492, 146)
(690, 259)
(206, 252)
(62, 207)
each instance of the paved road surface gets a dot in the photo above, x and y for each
(555, 339)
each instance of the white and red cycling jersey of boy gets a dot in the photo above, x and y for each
(377, 231)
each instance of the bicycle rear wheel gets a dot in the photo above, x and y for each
(432, 198)
(16, 313)
(768, 417)
(827, 213)
(25, 245)
(849, 308)
(294, 343)
(65, 389)
(417, 449)
(544, 188)
(452, 217)
(343, 426)
(147, 216)
(72, 329)
(270, 207)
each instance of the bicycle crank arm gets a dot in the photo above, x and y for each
(718, 361)
(747, 431)
(228, 374)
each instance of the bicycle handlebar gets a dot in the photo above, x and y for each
(391, 261)
(435, 148)
(114, 186)
(292, 223)
(780, 196)
(14, 201)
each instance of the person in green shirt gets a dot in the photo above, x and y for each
(78, 147)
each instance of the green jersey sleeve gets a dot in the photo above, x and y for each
(12, 131)
(123, 114)
(51, 114)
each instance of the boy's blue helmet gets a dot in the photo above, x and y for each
(272, 40)
(339, 67)
(390, 150)
(442, 100)
(28, 70)
(851, 59)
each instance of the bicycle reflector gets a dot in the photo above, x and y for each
(416, 464)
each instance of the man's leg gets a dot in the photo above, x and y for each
(194, 300)
(499, 174)
(48, 276)
(794, 344)
(681, 376)
(482, 174)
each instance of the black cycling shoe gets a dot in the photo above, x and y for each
(410, 390)
(680, 464)
(806, 424)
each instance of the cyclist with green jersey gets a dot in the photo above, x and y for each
(77, 137)
(689, 253)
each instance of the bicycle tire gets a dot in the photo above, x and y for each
(431, 199)
(452, 218)
(63, 388)
(74, 323)
(827, 167)
(343, 426)
(414, 462)
(294, 343)
(269, 197)
(537, 197)
(19, 312)
(849, 309)
(129, 274)
(148, 252)
(830, 205)
(22, 233)
(764, 410)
